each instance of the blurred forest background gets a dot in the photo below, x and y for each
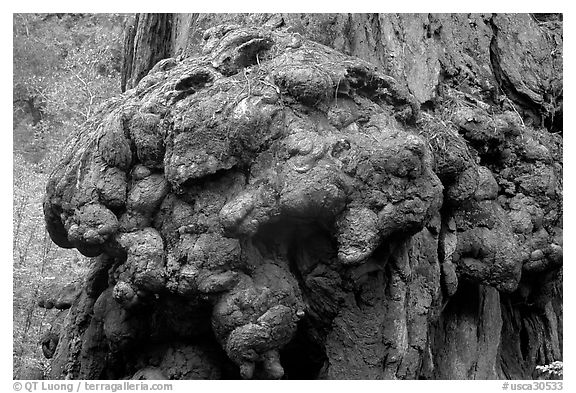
(65, 65)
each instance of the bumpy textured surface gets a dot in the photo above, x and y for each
(275, 208)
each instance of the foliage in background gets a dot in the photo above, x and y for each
(37, 265)
(65, 65)
(554, 370)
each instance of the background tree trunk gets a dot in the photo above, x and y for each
(147, 41)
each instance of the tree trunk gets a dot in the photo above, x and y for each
(146, 42)
(342, 196)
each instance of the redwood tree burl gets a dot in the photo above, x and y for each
(272, 207)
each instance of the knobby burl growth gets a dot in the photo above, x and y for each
(270, 203)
